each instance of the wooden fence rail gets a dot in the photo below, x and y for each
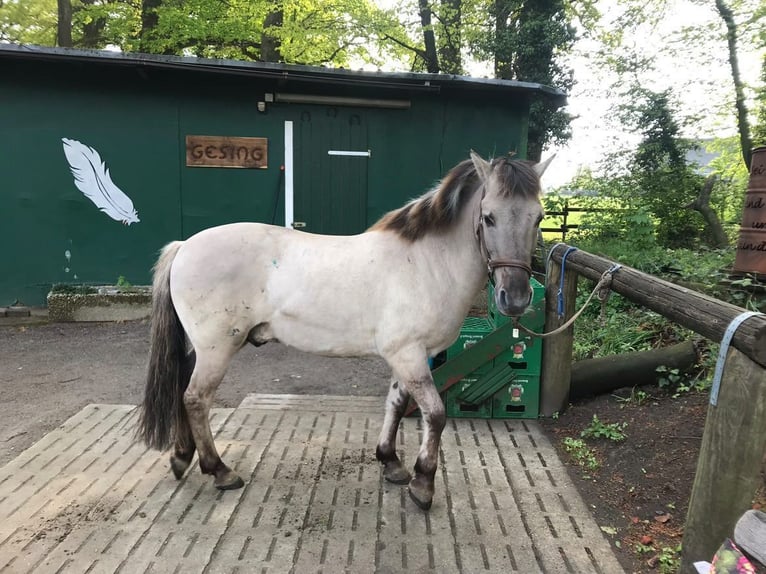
(734, 440)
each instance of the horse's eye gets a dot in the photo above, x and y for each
(488, 221)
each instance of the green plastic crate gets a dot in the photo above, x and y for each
(533, 319)
(519, 399)
(524, 355)
(474, 329)
(486, 385)
(457, 408)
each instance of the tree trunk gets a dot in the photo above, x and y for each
(450, 60)
(702, 205)
(270, 43)
(742, 122)
(92, 31)
(503, 58)
(64, 30)
(149, 21)
(605, 374)
(431, 58)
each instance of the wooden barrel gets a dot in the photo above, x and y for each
(751, 246)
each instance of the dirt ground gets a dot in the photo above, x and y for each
(639, 494)
(49, 372)
(640, 491)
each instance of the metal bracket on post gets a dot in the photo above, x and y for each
(725, 342)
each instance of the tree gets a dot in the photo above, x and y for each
(64, 24)
(29, 22)
(664, 182)
(743, 123)
(270, 44)
(525, 42)
(759, 131)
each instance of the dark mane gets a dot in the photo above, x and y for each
(441, 207)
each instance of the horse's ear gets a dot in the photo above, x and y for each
(543, 165)
(483, 168)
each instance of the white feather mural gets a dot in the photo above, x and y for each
(91, 176)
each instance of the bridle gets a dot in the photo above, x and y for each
(493, 264)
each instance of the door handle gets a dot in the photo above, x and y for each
(298, 224)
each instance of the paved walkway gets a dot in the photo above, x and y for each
(86, 498)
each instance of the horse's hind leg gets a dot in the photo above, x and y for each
(396, 404)
(184, 446)
(208, 374)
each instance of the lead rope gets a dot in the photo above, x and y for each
(602, 289)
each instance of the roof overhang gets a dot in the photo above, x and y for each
(288, 74)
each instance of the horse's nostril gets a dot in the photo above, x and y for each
(503, 296)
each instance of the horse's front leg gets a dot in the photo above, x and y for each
(396, 404)
(412, 367)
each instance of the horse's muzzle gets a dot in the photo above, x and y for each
(512, 292)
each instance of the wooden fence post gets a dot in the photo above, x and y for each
(557, 350)
(730, 459)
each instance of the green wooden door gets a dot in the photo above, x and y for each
(331, 162)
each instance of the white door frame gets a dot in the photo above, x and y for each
(289, 190)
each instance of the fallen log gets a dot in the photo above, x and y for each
(605, 374)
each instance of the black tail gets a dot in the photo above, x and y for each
(163, 412)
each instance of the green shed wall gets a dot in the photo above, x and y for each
(138, 124)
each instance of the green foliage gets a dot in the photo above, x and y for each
(123, 283)
(580, 453)
(311, 31)
(669, 559)
(598, 429)
(28, 21)
(663, 184)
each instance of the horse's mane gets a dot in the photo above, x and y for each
(441, 207)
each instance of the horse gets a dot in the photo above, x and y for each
(399, 290)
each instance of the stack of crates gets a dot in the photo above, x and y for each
(509, 385)
(474, 329)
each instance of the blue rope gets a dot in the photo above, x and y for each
(725, 342)
(560, 295)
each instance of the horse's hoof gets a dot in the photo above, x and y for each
(423, 503)
(178, 466)
(420, 493)
(228, 481)
(395, 473)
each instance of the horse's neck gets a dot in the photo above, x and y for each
(458, 264)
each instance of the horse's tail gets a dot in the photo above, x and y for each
(168, 373)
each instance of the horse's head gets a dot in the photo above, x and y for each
(508, 220)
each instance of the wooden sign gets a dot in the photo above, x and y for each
(222, 151)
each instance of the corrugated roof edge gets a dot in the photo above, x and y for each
(392, 80)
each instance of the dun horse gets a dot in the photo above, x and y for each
(400, 290)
